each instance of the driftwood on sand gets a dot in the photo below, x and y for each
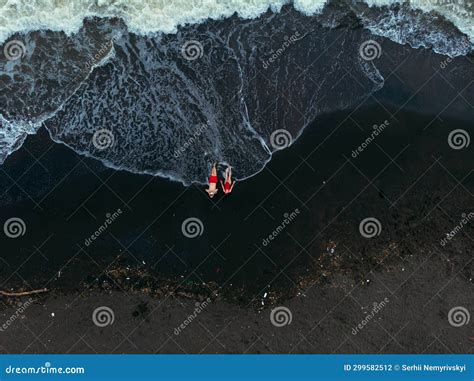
(23, 293)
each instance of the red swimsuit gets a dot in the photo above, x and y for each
(213, 179)
(227, 186)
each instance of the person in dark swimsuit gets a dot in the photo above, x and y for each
(213, 180)
(228, 185)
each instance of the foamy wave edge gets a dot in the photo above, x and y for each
(150, 16)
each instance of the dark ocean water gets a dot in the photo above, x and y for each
(231, 91)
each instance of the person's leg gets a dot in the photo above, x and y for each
(214, 170)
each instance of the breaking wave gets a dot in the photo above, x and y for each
(145, 16)
(176, 85)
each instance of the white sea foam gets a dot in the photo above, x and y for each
(459, 12)
(13, 134)
(147, 16)
(141, 16)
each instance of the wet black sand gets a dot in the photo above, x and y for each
(319, 266)
(413, 321)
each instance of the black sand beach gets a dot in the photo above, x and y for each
(143, 267)
(359, 234)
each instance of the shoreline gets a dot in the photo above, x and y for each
(332, 275)
(127, 257)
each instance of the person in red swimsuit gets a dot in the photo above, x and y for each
(212, 190)
(228, 185)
